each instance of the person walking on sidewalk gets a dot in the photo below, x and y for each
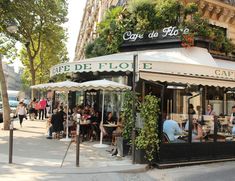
(43, 104)
(21, 111)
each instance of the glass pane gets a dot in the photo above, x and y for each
(176, 117)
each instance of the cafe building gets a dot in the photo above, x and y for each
(184, 79)
(181, 78)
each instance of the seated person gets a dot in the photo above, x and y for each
(232, 120)
(56, 125)
(172, 129)
(197, 133)
(109, 120)
(95, 121)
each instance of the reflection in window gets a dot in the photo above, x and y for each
(113, 100)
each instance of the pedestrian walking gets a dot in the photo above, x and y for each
(21, 111)
(43, 104)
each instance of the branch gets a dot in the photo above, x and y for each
(39, 38)
(41, 58)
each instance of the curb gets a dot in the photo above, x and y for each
(137, 168)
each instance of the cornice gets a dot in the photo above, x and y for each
(217, 10)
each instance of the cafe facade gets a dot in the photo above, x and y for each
(180, 77)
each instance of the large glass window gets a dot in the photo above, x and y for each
(209, 111)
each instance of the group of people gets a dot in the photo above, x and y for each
(172, 129)
(35, 109)
(90, 122)
(40, 108)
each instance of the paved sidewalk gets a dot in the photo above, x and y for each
(33, 152)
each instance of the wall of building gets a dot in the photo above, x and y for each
(13, 79)
(93, 14)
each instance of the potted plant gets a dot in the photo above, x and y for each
(148, 138)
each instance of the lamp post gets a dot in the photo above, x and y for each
(135, 79)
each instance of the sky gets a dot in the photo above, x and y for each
(75, 14)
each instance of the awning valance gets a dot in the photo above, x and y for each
(186, 80)
(192, 62)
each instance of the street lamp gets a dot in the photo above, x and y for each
(12, 28)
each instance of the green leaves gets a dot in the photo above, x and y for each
(127, 113)
(144, 16)
(40, 30)
(148, 138)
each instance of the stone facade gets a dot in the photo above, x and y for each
(220, 13)
(93, 14)
(13, 79)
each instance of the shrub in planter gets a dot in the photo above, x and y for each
(127, 114)
(148, 138)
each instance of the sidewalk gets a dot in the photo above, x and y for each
(32, 151)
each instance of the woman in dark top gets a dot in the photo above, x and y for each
(95, 121)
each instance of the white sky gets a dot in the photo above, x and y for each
(75, 14)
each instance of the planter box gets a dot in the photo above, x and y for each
(123, 146)
(140, 157)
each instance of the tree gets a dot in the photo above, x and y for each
(5, 45)
(6, 107)
(35, 19)
(52, 52)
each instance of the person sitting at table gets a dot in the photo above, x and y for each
(172, 129)
(197, 133)
(109, 120)
(210, 110)
(62, 117)
(55, 122)
(95, 121)
(232, 120)
(191, 109)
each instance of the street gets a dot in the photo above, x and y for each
(210, 172)
(223, 171)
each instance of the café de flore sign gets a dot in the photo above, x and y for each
(168, 32)
(95, 66)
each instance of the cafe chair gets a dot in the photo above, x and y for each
(165, 138)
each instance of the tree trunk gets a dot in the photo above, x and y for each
(5, 103)
(33, 82)
(33, 75)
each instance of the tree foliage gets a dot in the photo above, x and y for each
(39, 29)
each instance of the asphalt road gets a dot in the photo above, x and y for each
(210, 172)
(224, 171)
